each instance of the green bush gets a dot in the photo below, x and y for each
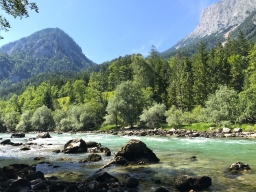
(174, 117)
(153, 115)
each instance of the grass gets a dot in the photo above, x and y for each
(199, 126)
(245, 127)
(107, 127)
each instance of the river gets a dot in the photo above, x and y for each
(214, 156)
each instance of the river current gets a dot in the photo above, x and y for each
(213, 157)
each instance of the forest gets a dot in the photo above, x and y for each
(216, 86)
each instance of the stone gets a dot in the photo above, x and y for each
(239, 167)
(136, 152)
(131, 182)
(186, 183)
(91, 144)
(72, 188)
(18, 135)
(93, 157)
(20, 183)
(56, 151)
(226, 130)
(44, 135)
(75, 146)
(106, 151)
(25, 148)
(9, 172)
(161, 189)
(105, 177)
(6, 142)
(39, 158)
(40, 186)
(36, 175)
(237, 130)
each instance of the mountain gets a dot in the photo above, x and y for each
(218, 22)
(48, 50)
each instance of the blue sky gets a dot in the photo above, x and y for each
(106, 29)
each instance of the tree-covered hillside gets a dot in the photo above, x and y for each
(216, 86)
(48, 50)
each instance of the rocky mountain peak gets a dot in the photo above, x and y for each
(222, 15)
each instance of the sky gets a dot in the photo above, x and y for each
(107, 29)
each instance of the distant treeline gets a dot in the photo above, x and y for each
(216, 86)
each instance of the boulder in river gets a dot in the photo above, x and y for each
(135, 152)
(6, 142)
(75, 146)
(18, 135)
(186, 183)
(93, 157)
(91, 144)
(239, 167)
(44, 135)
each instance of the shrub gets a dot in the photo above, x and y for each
(154, 115)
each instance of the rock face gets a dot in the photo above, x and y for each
(222, 15)
(218, 21)
(75, 146)
(44, 135)
(186, 183)
(135, 152)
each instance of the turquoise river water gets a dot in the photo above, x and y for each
(214, 156)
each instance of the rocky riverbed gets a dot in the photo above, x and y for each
(133, 166)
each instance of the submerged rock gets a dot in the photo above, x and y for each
(93, 157)
(131, 182)
(186, 183)
(135, 152)
(75, 146)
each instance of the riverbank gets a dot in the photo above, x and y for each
(211, 133)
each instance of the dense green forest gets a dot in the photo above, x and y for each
(216, 86)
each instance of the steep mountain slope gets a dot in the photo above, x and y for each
(217, 22)
(47, 50)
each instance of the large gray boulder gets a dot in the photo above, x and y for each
(135, 152)
(75, 146)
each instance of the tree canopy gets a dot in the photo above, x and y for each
(16, 8)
